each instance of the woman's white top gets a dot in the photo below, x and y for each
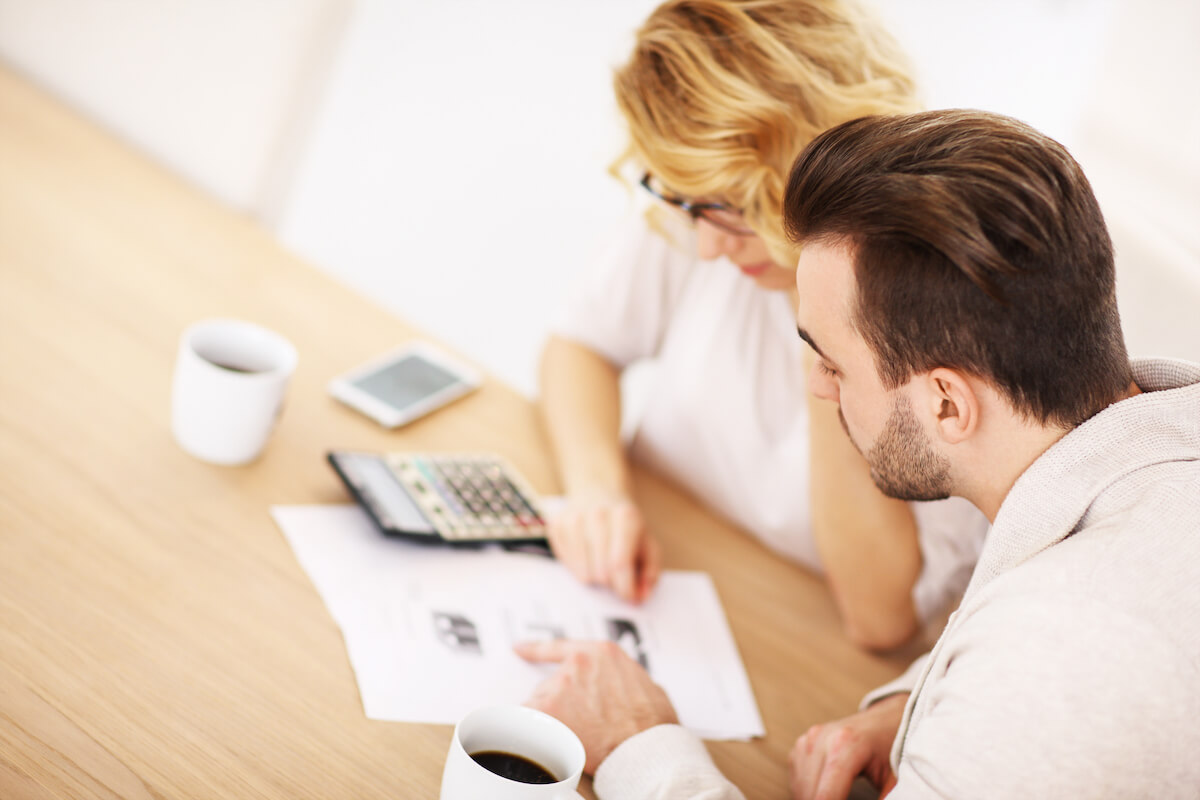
(724, 411)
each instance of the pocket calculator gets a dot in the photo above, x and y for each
(453, 498)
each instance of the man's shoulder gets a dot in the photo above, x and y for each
(1051, 685)
(1136, 557)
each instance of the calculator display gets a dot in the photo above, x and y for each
(389, 499)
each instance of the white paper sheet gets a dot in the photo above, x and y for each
(429, 630)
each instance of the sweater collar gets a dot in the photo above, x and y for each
(1047, 502)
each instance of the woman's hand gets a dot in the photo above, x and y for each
(604, 541)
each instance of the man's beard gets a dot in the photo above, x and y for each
(903, 463)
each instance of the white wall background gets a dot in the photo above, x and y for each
(458, 172)
(222, 90)
(447, 158)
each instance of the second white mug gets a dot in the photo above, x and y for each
(230, 380)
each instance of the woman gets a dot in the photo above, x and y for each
(719, 97)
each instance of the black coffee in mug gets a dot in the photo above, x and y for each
(234, 367)
(513, 767)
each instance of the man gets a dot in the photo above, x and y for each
(957, 285)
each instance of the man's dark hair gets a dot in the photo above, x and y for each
(979, 245)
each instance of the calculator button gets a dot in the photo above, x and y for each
(468, 498)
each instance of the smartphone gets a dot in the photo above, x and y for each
(405, 384)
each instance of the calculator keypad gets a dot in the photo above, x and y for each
(470, 497)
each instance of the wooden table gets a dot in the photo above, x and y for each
(157, 637)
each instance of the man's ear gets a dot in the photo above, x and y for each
(954, 404)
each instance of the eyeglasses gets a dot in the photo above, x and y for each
(719, 215)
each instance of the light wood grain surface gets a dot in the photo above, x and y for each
(157, 637)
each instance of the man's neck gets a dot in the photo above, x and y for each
(1006, 462)
(1013, 447)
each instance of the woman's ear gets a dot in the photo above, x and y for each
(954, 404)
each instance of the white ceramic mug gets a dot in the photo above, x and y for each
(230, 380)
(521, 731)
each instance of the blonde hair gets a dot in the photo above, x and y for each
(720, 96)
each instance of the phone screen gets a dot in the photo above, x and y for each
(406, 381)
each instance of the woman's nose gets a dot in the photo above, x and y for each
(712, 242)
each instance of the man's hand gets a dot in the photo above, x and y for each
(599, 692)
(826, 760)
(603, 540)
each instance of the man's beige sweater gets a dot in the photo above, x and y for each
(1072, 667)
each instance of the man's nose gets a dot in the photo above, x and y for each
(822, 384)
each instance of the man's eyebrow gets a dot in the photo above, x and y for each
(808, 339)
